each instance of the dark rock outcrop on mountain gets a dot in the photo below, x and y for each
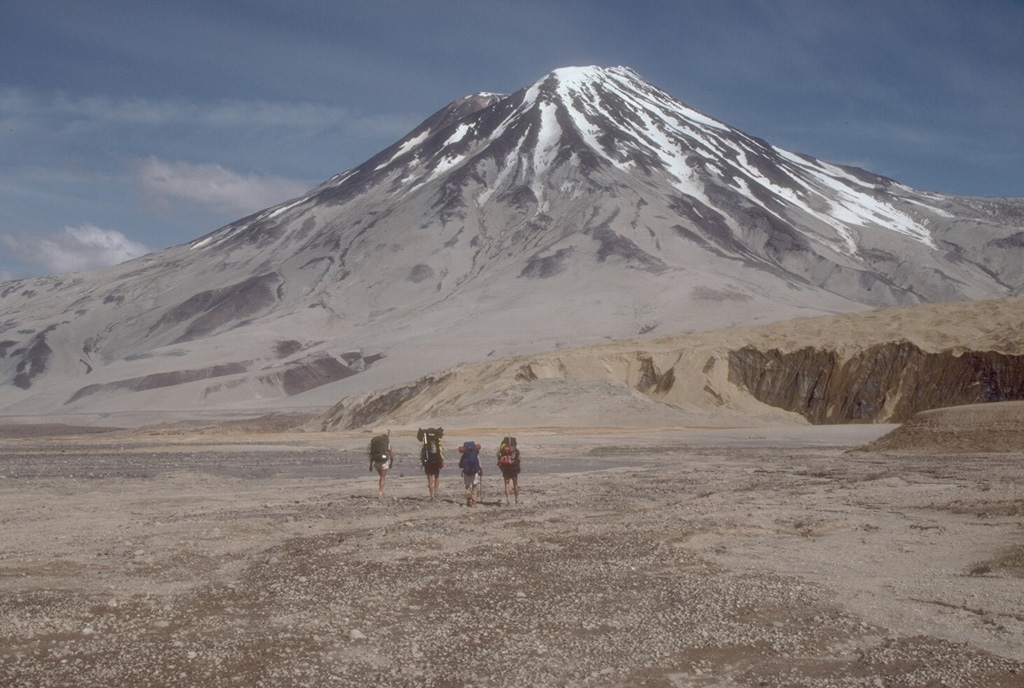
(587, 207)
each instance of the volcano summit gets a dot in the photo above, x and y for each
(587, 207)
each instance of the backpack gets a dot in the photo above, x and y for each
(470, 461)
(380, 448)
(433, 448)
(508, 454)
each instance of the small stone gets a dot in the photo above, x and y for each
(355, 634)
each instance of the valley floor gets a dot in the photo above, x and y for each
(674, 558)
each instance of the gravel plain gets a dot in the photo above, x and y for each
(673, 558)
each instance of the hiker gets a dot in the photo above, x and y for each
(471, 470)
(381, 459)
(508, 463)
(432, 457)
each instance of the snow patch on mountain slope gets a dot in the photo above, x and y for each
(547, 139)
(578, 89)
(457, 135)
(672, 156)
(403, 149)
(449, 161)
(847, 208)
(546, 150)
(854, 207)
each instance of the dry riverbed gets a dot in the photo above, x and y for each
(673, 558)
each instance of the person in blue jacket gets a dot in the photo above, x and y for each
(471, 470)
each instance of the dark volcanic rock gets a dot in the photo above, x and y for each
(158, 380)
(217, 308)
(33, 361)
(888, 383)
(306, 375)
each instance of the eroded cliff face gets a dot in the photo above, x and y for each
(880, 366)
(886, 383)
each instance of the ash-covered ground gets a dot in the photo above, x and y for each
(731, 558)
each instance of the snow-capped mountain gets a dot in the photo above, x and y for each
(589, 206)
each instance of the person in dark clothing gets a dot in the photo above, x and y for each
(381, 459)
(509, 464)
(432, 457)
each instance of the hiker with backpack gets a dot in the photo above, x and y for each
(381, 459)
(509, 465)
(471, 470)
(432, 456)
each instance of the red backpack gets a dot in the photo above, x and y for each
(508, 454)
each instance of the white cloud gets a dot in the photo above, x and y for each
(18, 105)
(74, 249)
(212, 185)
(59, 112)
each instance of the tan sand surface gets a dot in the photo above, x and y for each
(977, 428)
(735, 557)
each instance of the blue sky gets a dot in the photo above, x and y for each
(127, 127)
